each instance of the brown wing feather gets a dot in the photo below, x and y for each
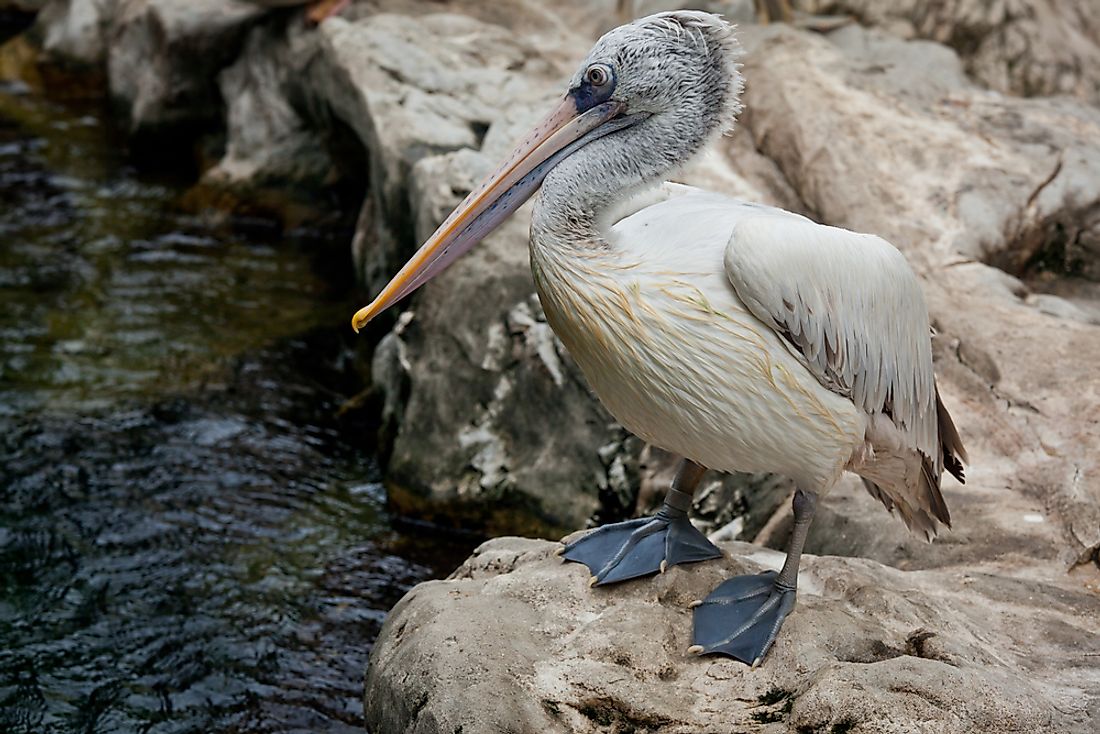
(930, 505)
(954, 454)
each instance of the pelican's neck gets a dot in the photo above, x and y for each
(580, 194)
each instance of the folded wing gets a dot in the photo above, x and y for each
(850, 307)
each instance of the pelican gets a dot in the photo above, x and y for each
(738, 336)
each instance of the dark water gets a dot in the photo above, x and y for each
(192, 537)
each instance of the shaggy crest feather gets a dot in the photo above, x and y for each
(718, 36)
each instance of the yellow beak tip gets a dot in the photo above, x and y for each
(361, 318)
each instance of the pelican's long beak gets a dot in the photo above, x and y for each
(561, 132)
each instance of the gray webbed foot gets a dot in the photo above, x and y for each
(641, 547)
(742, 617)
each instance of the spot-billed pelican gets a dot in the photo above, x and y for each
(739, 336)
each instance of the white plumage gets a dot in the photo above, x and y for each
(748, 338)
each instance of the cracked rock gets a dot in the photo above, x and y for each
(868, 650)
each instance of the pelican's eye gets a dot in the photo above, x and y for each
(597, 75)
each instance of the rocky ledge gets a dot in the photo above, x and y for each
(514, 641)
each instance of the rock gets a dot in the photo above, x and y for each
(269, 141)
(1024, 47)
(516, 641)
(412, 90)
(76, 31)
(985, 182)
(426, 99)
(164, 58)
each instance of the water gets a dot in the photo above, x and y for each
(192, 534)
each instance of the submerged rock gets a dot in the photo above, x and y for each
(515, 641)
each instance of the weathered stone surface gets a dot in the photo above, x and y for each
(411, 90)
(514, 641)
(164, 56)
(954, 175)
(268, 139)
(497, 429)
(76, 31)
(1025, 47)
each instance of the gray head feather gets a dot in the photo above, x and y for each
(679, 68)
(681, 62)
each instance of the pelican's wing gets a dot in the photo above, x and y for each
(850, 307)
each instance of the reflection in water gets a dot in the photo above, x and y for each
(190, 540)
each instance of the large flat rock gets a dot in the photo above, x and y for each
(515, 641)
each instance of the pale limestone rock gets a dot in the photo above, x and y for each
(270, 141)
(412, 90)
(994, 200)
(516, 641)
(1025, 47)
(498, 430)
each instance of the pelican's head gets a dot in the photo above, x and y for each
(672, 74)
(680, 65)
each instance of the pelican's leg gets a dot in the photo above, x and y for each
(627, 550)
(742, 617)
